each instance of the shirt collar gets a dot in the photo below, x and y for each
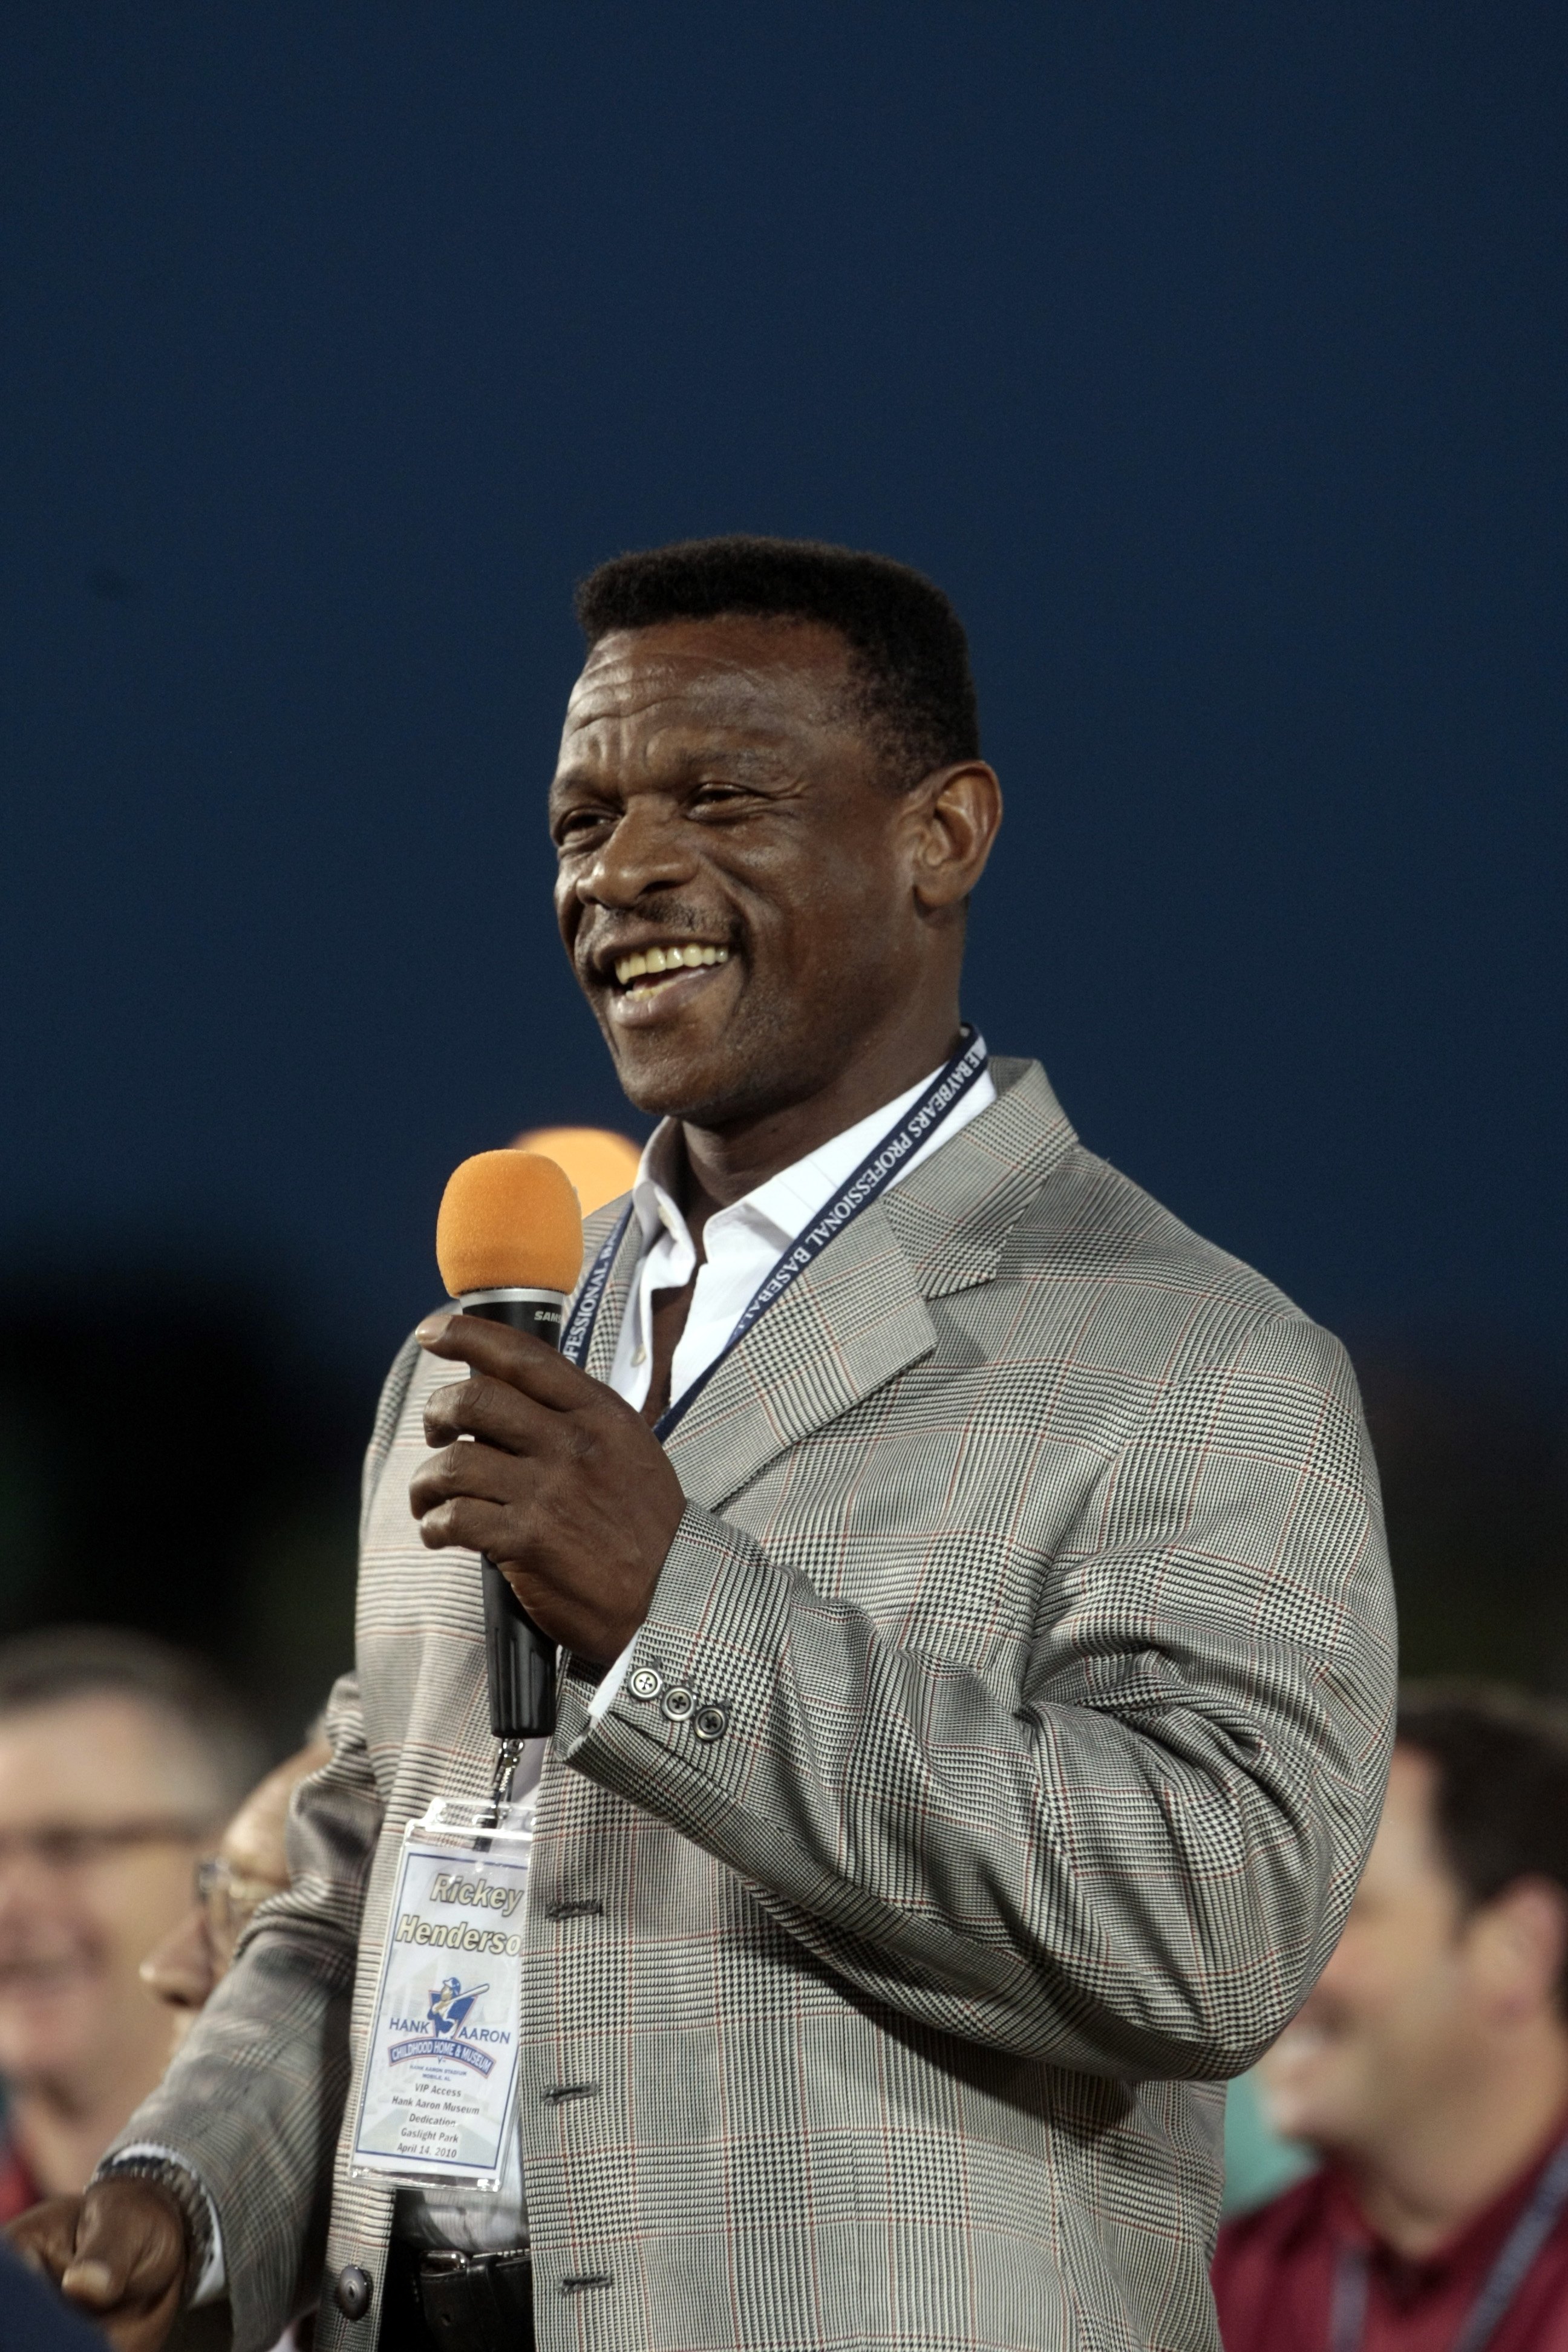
(784, 1205)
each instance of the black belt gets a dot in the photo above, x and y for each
(448, 2302)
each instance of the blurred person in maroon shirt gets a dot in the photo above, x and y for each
(1429, 2067)
(118, 1758)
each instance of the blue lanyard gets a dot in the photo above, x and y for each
(916, 1127)
(1347, 2312)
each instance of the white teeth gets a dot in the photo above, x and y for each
(679, 958)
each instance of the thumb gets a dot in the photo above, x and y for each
(99, 2263)
(89, 2278)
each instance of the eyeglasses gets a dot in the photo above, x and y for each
(64, 1846)
(230, 1900)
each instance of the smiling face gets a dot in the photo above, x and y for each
(95, 1795)
(753, 908)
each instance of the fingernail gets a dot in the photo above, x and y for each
(433, 1325)
(92, 2279)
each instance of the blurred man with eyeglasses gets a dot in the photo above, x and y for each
(119, 1759)
(250, 1863)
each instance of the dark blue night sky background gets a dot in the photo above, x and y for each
(1212, 357)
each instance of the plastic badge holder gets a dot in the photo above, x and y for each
(439, 2095)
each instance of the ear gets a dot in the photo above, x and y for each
(1522, 1946)
(955, 816)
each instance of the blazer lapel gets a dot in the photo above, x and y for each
(596, 1231)
(849, 1322)
(954, 1215)
(858, 1315)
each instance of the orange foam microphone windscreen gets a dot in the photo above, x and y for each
(509, 1220)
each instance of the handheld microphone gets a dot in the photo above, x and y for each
(509, 1242)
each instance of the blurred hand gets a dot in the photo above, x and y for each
(565, 1487)
(119, 2253)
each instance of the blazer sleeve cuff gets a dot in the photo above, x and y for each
(699, 1691)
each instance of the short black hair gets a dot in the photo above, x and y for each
(62, 1662)
(1501, 1796)
(913, 688)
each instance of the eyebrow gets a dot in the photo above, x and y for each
(684, 767)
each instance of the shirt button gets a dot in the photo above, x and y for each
(639, 1354)
(679, 1704)
(711, 1723)
(643, 1682)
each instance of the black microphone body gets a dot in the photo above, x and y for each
(519, 1661)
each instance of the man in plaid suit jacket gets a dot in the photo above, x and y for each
(1020, 1573)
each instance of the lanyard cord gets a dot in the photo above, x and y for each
(1347, 2310)
(917, 1126)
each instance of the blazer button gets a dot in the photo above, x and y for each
(713, 1722)
(677, 1704)
(351, 2291)
(644, 1682)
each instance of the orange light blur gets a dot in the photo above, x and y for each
(600, 1163)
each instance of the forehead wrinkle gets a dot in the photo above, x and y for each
(663, 753)
(678, 748)
(703, 704)
(633, 679)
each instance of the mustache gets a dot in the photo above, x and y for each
(678, 917)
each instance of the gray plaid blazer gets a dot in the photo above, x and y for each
(1033, 1554)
